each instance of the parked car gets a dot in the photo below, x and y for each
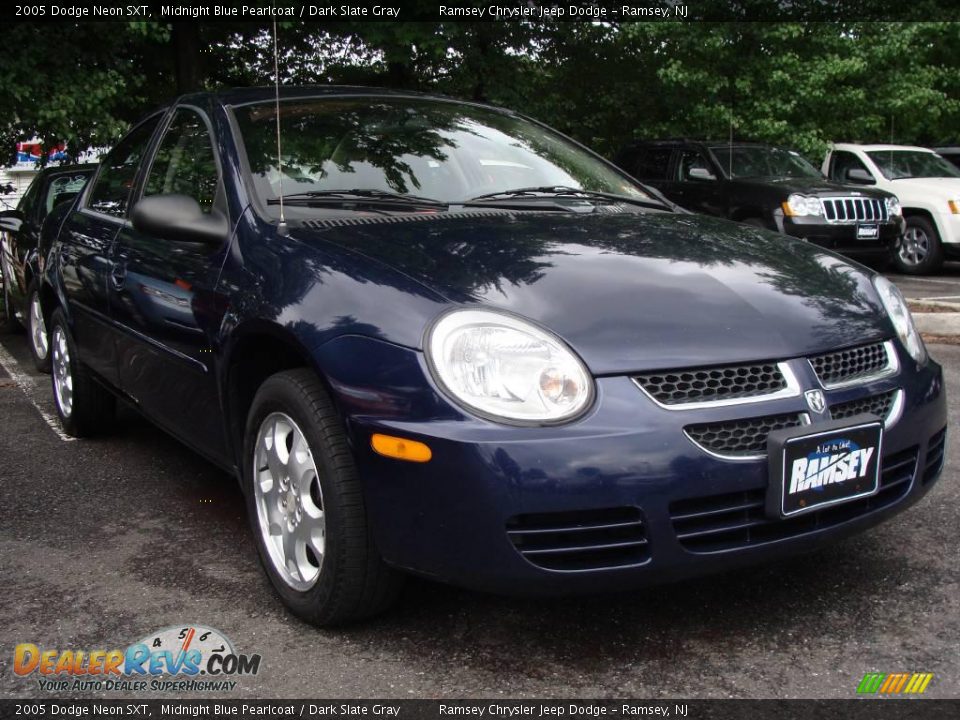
(436, 337)
(772, 188)
(22, 252)
(929, 191)
(950, 153)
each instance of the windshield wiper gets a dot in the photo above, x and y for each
(357, 196)
(562, 191)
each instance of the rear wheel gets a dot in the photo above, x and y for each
(85, 407)
(306, 505)
(37, 330)
(920, 250)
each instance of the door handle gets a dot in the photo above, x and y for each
(118, 274)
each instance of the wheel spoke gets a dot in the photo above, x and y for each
(289, 501)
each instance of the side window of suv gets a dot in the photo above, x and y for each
(692, 166)
(652, 163)
(841, 162)
(111, 191)
(185, 163)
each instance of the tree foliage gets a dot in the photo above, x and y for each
(797, 84)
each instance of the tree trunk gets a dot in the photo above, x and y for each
(188, 62)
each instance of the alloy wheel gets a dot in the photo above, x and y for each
(62, 375)
(289, 501)
(38, 328)
(915, 246)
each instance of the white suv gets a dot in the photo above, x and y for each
(928, 187)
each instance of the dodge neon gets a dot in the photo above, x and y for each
(439, 338)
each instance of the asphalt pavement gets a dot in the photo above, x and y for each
(104, 541)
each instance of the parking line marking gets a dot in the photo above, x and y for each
(30, 388)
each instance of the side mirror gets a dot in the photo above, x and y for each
(860, 177)
(11, 220)
(179, 218)
(700, 173)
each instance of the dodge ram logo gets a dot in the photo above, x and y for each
(815, 400)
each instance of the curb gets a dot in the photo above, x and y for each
(937, 321)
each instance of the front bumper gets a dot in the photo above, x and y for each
(842, 237)
(456, 517)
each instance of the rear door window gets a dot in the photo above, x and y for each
(110, 193)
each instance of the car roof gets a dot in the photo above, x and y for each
(57, 169)
(877, 147)
(233, 97)
(706, 143)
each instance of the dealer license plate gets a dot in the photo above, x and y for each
(868, 232)
(813, 466)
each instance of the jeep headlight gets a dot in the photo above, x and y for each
(506, 368)
(899, 314)
(893, 207)
(800, 205)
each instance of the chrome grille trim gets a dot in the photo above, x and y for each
(840, 210)
(892, 368)
(895, 407)
(802, 417)
(792, 389)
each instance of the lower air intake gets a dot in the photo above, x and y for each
(581, 540)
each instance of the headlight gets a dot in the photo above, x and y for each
(799, 205)
(896, 308)
(507, 368)
(893, 207)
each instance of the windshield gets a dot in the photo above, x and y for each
(899, 164)
(438, 150)
(757, 161)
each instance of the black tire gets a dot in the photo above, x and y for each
(757, 222)
(8, 317)
(39, 352)
(353, 581)
(91, 408)
(921, 251)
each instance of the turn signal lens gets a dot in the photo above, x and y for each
(400, 448)
(954, 206)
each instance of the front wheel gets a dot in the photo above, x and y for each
(37, 330)
(8, 316)
(920, 250)
(306, 505)
(85, 408)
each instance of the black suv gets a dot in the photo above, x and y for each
(769, 187)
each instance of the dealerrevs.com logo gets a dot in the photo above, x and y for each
(190, 658)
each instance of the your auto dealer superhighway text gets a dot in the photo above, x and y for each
(572, 710)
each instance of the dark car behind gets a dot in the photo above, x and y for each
(772, 188)
(22, 249)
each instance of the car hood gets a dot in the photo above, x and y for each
(948, 188)
(811, 186)
(631, 291)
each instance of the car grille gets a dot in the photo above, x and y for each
(581, 540)
(711, 384)
(936, 452)
(851, 364)
(741, 438)
(737, 520)
(853, 209)
(879, 405)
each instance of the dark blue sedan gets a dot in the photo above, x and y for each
(439, 338)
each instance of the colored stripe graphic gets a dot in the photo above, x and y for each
(870, 683)
(894, 683)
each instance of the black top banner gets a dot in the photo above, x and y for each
(480, 11)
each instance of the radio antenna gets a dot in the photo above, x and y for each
(282, 227)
